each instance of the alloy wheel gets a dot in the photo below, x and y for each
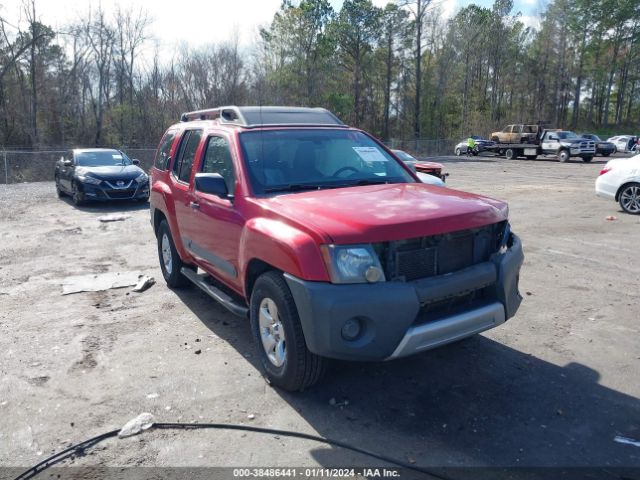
(272, 332)
(630, 199)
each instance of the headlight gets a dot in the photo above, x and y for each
(143, 177)
(352, 263)
(88, 179)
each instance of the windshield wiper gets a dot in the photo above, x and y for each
(370, 181)
(295, 187)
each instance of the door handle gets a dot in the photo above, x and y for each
(194, 205)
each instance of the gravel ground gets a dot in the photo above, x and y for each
(553, 386)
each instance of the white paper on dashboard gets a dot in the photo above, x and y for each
(370, 154)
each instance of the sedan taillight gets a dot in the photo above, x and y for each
(605, 169)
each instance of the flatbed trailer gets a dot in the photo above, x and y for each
(548, 142)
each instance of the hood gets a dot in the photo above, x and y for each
(380, 213)
(575, 140)
(112, 172)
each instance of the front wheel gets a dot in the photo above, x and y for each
(563, 156)
(278, 335)
(59, 191)
(458, 152)
(170, 261)
(77, 196)
(629, 198)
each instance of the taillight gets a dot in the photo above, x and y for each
(604, 170)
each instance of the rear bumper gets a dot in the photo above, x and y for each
(394, 316)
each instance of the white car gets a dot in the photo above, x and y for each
(619, 180)
(623, 143)
(430, 179)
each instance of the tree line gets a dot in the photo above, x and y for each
(403, 71)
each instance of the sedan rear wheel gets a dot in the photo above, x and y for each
(630, 198)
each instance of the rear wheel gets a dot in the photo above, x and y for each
(606, 154)
(531, 157)
(587, 159)
(170, 261)
(629, 198)
(563, 156)
(278, 335)
(510, 154)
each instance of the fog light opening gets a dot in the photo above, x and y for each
(351, 329)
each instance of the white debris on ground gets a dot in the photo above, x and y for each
(113, 218)
(627, 441)
(144, 421)
(144, 283)
(99, 281)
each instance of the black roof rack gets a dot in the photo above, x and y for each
(252, 117)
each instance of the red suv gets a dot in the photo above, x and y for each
(326, 241)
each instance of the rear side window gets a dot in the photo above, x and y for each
(218, 160)
(161, 161)
(186, 155)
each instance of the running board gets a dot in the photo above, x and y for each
(218, 295)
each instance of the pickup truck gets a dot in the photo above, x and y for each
(324, 240)
(562, 144)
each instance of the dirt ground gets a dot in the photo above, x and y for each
(553, 386)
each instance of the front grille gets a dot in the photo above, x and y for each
(425, 257)
(120, 194)
(418, 263)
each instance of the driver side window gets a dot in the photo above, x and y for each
(218, 159)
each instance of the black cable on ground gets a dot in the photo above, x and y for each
(79, 448)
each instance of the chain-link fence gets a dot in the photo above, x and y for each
(22, 165)
(424, 147)
(29, 165)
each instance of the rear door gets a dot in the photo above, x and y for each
(181, 172)
(215, 226)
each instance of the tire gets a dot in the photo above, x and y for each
(606, 154)
(170, 261)
(286, 360)
(510, 154)
(495, 139)
(59, 191)
(563, 156)
(629, 198)
(587, 159)
(531, 157)
(77, 196)
(458, 152)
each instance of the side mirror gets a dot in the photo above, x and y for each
(212, 183)
(67, 163)
(135, 161)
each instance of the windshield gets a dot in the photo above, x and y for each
(567, 135)
(102, 158)
(287, 160)
(593, 137)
